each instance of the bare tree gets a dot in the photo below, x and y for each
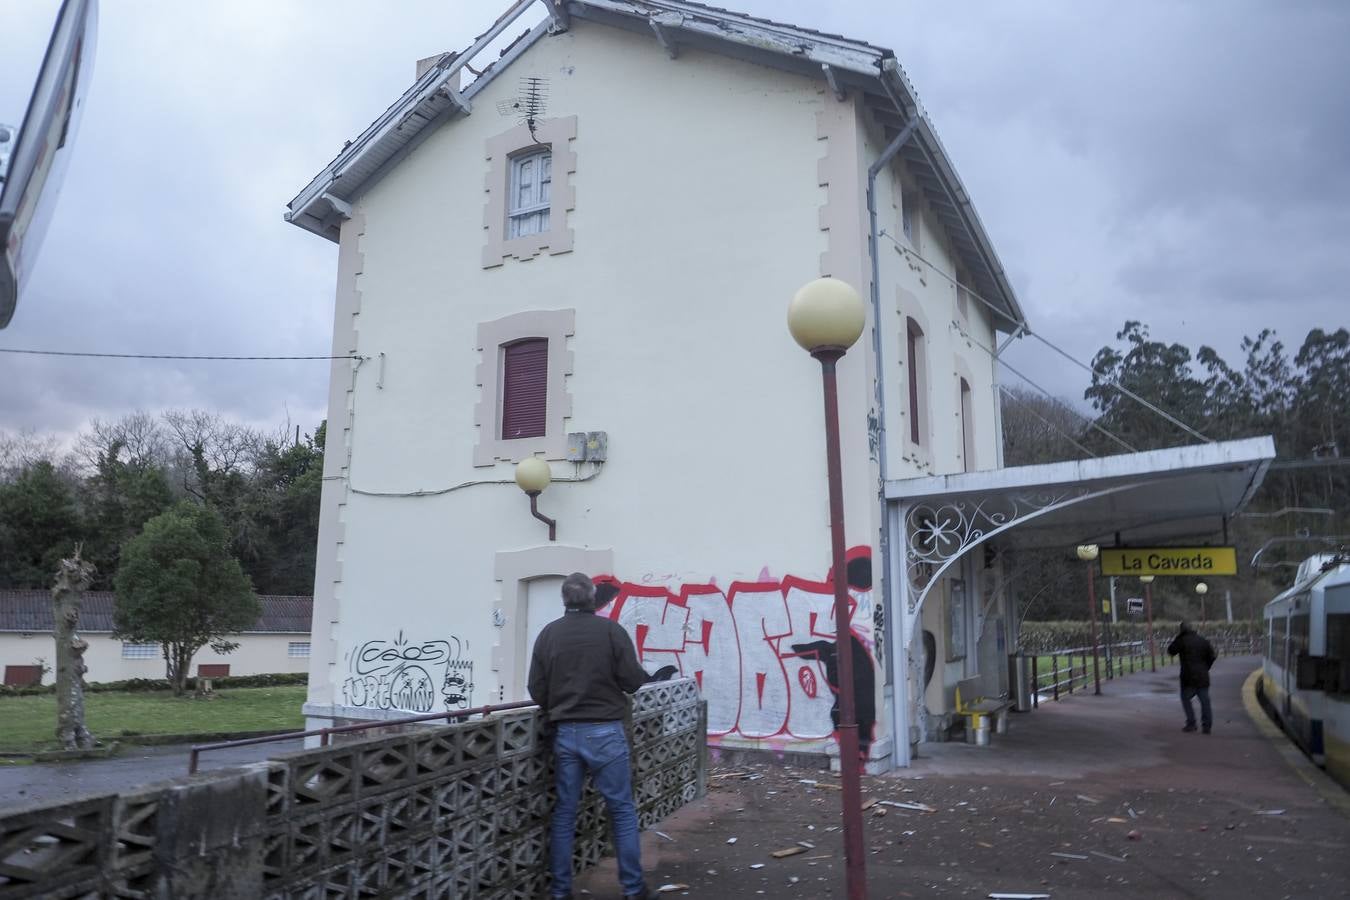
(72, 578)
(1038, 429)
(24, 448)
(138, 439)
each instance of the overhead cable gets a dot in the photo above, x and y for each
(1053, 427)
(1007, 365)
(162, 355)
(1111, 382)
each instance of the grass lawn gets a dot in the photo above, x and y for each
(29, 723)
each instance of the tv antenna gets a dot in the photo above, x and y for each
(529, 105)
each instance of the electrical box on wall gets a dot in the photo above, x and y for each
(587, 446)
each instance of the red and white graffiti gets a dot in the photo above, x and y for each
(738, 644)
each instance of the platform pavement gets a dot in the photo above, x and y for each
(1139, 808)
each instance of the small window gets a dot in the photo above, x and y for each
(909, 218)
(967, 428)
(530, 194)
(297, 649)
(140, 651)
(962, 299)
(525, 389)
(914, 350)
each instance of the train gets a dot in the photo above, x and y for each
(1305, 677)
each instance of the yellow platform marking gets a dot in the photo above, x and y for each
(1322, 784)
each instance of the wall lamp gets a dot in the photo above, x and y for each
(532, 476)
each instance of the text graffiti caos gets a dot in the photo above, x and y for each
(762, 652)
(406, 675)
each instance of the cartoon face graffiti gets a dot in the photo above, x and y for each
(403, 674)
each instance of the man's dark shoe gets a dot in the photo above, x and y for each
(1189, 728)
(1205, 729)
(651, 894)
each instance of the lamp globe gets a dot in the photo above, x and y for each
(826, 312)
(533, 474)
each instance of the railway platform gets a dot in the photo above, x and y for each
(1092, 796)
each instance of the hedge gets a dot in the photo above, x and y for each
(1043, 637)
(135, 685)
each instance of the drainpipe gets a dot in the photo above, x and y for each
(897, 686)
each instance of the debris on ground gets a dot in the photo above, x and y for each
(671, 888)
(787, 851)
(1067, 855)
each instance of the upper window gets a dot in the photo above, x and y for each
(524, 389)
(914, 351)
(530, 193)
(967, 428)
(909, 218)
(526, 213)
(140, 651)
(297, 649)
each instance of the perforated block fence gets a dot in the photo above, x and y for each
(457, 811)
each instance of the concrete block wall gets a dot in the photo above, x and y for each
(450, 811)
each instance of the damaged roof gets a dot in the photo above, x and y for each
(436, 97)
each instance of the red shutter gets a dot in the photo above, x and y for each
(525, 389)
(213, 670)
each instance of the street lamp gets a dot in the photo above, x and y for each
(1088, 553)
(532, 476)
(1147, 581)
(826, 316)
(1202, 589)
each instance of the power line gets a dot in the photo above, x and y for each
(1124, 390)
(1053, 427)
(162, 355)
(1064, 353)
(1007, 365)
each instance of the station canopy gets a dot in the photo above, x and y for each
(1155, 497)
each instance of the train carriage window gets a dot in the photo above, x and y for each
(1338, 653)
(1298, 635)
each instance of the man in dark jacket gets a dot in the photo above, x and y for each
(582, 668)
(1196, 657)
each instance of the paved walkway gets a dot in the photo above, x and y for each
(133, 767)
(1135, 807)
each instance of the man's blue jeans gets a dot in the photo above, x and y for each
(600, 748)
(1206, 714)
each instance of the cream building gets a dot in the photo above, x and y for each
(278, 642)
(585, 254)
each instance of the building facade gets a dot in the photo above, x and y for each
(278, 642)
(585, 254)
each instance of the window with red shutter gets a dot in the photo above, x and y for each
(914, 340)
(524, 389)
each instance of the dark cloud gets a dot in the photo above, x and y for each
(1187, 165)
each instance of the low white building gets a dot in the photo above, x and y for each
(278, 642)
(585, 253)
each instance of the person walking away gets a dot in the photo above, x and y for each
(1197, 655)
(581, 670)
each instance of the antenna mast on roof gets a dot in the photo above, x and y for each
(529, 105)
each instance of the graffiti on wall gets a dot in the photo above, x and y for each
(409, 675)
(762, 652)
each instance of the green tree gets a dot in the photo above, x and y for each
(38, 525)
(118, 499)
(179, 586)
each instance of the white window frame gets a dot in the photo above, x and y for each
(530, 215)
(504, 215)
(293, 649)
(132, 650)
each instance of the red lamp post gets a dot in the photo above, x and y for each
(1088, 554)
(826, 317)
(1148, 608)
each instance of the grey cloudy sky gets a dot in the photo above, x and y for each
(1185, 164)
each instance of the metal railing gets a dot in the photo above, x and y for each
(325, 734)
(1063, 671)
